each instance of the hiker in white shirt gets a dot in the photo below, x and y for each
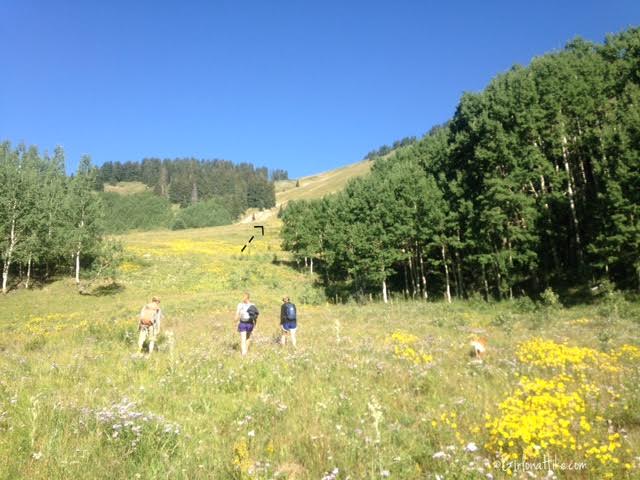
(246, 316)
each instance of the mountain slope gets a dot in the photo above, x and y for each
(310, 187)
(321, 184)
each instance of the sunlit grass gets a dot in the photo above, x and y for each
(373, 391)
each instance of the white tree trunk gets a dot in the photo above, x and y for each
(447, 293)
(572, 203)
(26, 284)
(486, 283)
(78, 252)
(78, 267)
(5, 275)
(311, 265)
(385, 296)
(9, 255)
(424, 278)
(412, 277)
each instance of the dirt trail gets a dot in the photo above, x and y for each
(259, 216)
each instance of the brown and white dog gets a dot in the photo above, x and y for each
(478, 347)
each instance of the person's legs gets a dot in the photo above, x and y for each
(292, 332)
(243, 342)
(141, 338)
(283, 337)
(152, 340)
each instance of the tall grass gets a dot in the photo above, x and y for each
(350, 402)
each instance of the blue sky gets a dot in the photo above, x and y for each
(300, 85)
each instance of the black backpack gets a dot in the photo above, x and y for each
(290, 312)
(253, 313)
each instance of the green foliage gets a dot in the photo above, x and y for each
(550, 299)
(46, 218)
(108, 258)
(279, 174)
(312, 296)
(139, 211)
(186, 181)
(535, 182)
(386, 149)
(209, 213)
(525, 305)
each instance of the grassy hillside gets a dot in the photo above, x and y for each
(316, 186)
(311, 187)
(126, 188)
(372, 392)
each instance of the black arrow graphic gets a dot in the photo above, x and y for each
(261, 227)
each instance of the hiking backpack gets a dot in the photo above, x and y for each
(290, 312)
(253, 313)
(148, 315)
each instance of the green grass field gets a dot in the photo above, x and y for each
(373, 391)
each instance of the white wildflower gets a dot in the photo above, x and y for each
(471, 447)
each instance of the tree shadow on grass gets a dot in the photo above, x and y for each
(286, 263)
(104, 290)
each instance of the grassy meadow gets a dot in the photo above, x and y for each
(373, 391)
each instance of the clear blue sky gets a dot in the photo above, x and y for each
(305, 86)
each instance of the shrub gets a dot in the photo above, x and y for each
(312, 296)
(550, 299)
(524, 305)
(503, 319)
(209, 213)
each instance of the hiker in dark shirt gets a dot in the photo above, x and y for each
(288, 321)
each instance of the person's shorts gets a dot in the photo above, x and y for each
(245, 327)
(289, 326)
(148, 332)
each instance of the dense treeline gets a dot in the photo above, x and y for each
(534, 182)
(279, 174)
(386, 149)
(187, 181)
(49, 222)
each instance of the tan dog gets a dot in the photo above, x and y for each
(478, 347)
